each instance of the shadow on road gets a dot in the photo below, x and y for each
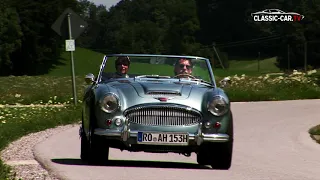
(133, 163)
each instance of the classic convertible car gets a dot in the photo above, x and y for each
(167, 103)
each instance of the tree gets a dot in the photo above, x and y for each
(295, 34)
(10, 36)
(40, 46)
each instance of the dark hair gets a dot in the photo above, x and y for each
(122, 59)
(184, 59)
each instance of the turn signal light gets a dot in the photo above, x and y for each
(109, 122)
(207, 125)
(217, 125)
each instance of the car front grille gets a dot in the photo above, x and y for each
(163, 115)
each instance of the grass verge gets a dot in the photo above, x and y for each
(315, 133)
(39, 89)
(16, 122)
(53, 90)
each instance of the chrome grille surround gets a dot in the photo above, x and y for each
(163, 115)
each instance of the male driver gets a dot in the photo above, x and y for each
(183, 66)
(122, 65)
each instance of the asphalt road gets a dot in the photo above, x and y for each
(271, 143)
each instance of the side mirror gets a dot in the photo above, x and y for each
(225, 81)
(89, 78)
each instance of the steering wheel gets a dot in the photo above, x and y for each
(179, 75)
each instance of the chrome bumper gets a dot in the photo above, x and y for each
(198, 137)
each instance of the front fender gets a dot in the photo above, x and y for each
(91, 105)
(209, 117)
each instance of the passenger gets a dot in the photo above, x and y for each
(122, 65)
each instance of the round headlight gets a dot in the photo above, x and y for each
(218, 106)
(109, 103)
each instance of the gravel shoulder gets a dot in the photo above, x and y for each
(19, 155)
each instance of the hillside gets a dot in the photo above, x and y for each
(85, 61)
(88, 61)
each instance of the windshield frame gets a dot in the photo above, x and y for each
(105, 59)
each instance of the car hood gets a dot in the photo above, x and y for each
(138, 92)
(157, 88)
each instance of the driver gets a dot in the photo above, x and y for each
(183, 66)
(122, 65)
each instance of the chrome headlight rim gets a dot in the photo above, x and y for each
(211, 108)
(102, 103)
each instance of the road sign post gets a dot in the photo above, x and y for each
(70, 28)
(72, 64)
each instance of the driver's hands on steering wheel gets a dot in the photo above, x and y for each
(185, 75)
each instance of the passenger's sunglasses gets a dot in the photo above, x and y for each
(183, 65)
(125, 64)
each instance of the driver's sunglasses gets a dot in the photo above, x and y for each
(124, 63)
(183, 65)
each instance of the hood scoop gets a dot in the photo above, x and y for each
(163, 93)
(163, 89)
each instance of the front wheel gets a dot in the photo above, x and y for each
(84, 147)
(224, 156)
(84, 154)
(218, 155)
(98, 149)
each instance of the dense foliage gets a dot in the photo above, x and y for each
(29, 46)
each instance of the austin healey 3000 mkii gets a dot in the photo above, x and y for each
(164, 103)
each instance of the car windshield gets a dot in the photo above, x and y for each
(186, 68)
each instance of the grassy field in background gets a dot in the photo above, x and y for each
(87, 61)
(249, 67)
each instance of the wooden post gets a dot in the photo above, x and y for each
(305, 56)
(288, 49)
(259, 61)
(214, 48)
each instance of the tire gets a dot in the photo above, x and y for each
(202, 159)
(98, 145)
(223, 156)
(84, 154)
(84, 147)
(217, 155)
(98, 151)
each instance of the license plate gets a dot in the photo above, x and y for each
(163, 138)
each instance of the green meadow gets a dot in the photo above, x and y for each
(86, 61)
